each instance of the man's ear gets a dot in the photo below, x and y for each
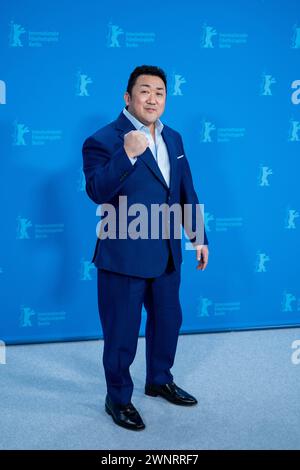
(127, 98)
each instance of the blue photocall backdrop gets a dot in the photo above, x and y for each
(234, 95)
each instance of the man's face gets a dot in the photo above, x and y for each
(147, 100)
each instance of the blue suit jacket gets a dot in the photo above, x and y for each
(110, 174)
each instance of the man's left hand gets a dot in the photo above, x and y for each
(202, 256)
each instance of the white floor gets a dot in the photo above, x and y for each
(52, 396)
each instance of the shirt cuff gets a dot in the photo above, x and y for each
(132, 159)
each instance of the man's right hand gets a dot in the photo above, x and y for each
(135, 143)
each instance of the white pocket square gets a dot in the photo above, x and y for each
(180, 156)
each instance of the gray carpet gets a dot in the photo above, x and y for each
(52, 396)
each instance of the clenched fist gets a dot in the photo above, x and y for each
(135, 143)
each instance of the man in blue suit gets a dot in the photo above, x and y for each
(137, 164)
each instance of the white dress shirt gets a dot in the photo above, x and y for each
(157, 147)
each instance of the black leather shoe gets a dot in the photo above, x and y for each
(171, 393)
(124, 415)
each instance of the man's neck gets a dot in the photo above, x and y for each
(151, 125)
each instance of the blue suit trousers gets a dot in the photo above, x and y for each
(120, 300)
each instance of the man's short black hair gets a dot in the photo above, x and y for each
(145, 70)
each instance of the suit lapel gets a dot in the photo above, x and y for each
(148, 158)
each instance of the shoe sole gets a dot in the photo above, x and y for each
(120, 424)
